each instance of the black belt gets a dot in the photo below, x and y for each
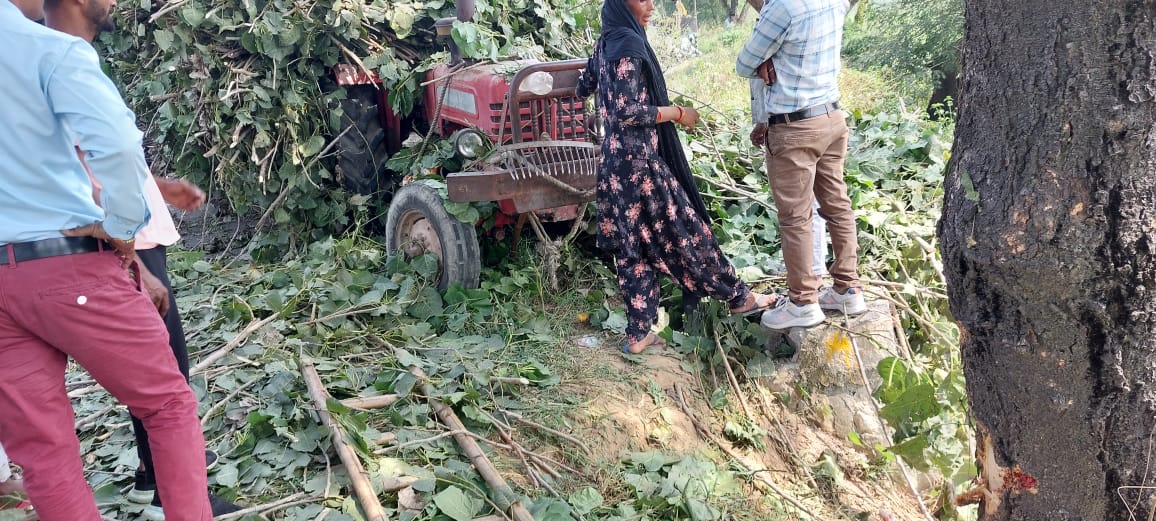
(807, 113)
(26, 251)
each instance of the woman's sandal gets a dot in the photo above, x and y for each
(657, 342)
(756, 303)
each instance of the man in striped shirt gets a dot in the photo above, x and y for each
(806, 141)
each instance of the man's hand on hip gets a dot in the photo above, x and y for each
(126, 250)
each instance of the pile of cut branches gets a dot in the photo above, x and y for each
(239, 96)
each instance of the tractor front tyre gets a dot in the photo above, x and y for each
(418, 223)
(361, 149)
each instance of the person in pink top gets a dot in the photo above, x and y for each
(86, 20)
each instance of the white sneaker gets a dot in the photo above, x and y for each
(788, 314)
(851, 302)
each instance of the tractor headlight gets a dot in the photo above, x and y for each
(469, 143)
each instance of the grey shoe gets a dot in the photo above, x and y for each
(144, 485)
(851, 302)
(788, 314)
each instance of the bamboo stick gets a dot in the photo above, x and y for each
(503, 493)
(357, 475)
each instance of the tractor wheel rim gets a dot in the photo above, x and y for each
(419, 237)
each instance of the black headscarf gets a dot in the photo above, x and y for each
(623, 36)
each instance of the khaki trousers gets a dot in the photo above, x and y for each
(805, 165)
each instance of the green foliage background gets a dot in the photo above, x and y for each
(238, 96)
(916, 40)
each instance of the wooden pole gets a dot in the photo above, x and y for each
(372, 402)
(505, 495)
(357, 475)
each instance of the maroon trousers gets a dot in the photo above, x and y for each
(84, 306)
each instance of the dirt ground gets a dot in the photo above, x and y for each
(639, 411)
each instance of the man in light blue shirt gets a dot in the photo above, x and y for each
(806, 141)
(63, 291)
(54, 84)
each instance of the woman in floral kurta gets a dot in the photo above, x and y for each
(645, 216)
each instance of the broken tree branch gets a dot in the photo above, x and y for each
(357, 474)
(503, 495)
(297, 498)
(372, 402)
(731, 377)
(223, 401)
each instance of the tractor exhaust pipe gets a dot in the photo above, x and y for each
(464, 11)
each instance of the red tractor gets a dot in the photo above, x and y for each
(518, 128)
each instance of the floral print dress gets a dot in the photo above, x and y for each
(644, 216)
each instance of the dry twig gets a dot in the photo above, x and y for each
(236, 341)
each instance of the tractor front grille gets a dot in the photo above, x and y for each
(548, 119)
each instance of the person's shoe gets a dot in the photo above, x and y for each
(144, 487)
(220, 507)
(788, 314)
(210, 459)
(851, 302)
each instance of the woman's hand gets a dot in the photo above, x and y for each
(688, 117)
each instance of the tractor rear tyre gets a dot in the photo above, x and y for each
(361, 151)
(418, 223)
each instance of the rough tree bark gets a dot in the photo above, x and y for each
(1049, 257)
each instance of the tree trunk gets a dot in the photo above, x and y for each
(1049, 258)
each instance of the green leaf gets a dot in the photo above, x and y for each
(428, 305)
(653, 460)
(551, 509)
(311, 146)
(968, 186)
(915, 405)
(404, 384)
(425, 265)
(226, 475)
(700, 511)
(406, 359)
(912, 451)
(718, 398)
(586, 500)
(401, 20)
(164, 39)
(456, 504)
